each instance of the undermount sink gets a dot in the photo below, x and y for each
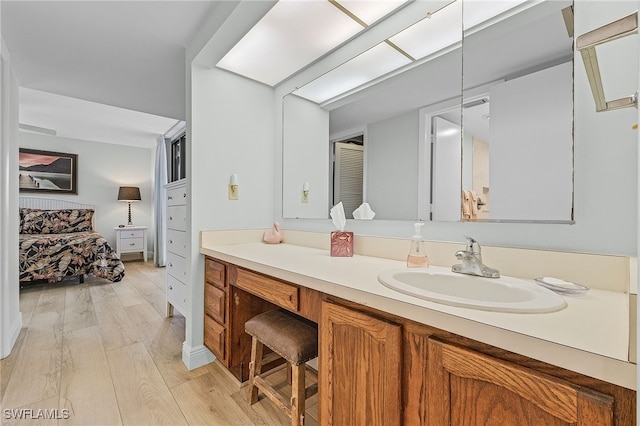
(504, 294)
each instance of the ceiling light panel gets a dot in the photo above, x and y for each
(360, 70)
(443, 29)
(370, 11)
(295, 33)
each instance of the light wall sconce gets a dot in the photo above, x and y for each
(129, 194)
(233, 187)
(305, 192)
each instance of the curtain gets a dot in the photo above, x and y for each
(160, 203)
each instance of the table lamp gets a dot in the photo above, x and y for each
(129, 194)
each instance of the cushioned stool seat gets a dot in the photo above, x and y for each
(296, 340)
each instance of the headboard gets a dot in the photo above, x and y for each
(54, 204)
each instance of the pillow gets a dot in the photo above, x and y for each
(33, 221)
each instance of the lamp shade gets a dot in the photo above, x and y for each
(129, 193)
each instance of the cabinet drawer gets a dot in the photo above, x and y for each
(132, 244)
(275, 291)
(214, 337)
(177, 242)
(176, 293)
(176, 266)
(177, 196)
(135, 233)
(214, 272)
(214, 302)
(177, 218)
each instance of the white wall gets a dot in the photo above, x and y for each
(102, 168)
(306, 137)
(10, 316)
(232, 132)
(232, 129)
(530, 149)
(391, 153)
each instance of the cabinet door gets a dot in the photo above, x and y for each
(214, 338)
(360, 368)
(469, 388)
(214, 302)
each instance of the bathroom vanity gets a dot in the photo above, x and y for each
(387, 359)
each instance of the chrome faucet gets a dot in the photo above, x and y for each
(472, 261)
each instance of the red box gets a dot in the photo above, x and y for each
(341, 244)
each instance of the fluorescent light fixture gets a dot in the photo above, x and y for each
(369, 11)
(295, 33)
(365, 67)
(442, 29)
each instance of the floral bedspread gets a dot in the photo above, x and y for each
(54, 256)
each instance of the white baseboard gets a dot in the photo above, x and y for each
(196, 357)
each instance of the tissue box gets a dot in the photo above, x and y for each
(341, 244)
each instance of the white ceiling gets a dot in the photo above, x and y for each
(85, 120)
(126, 58)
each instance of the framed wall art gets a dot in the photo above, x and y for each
(48, 171)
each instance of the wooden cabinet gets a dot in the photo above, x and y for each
(215, 309)
(232, 296)
(380, 369)
(469, 388)
(176, 237)
(279, 292)
(360, 368)
(376, 368)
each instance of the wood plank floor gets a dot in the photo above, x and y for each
(102, 353)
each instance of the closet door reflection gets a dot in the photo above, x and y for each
(447, 175)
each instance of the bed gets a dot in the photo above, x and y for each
(58, 240)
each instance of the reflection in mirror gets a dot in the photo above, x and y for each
(515, 161)
(348, 173)
(518, 117)
(384, 114)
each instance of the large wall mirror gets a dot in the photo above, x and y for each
(478, 129)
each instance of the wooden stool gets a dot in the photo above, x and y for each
(290, 337)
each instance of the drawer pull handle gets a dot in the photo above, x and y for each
(170, 241)
(170, 288)
(132, 244)
(184, 195)
(170, 265)
(170, 217)
(170, 197)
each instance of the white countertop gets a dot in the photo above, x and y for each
(589, 336)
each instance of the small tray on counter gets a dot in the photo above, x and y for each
(562, 286)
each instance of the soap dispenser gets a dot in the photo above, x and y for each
(417, 257)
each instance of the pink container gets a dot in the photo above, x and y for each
(341, 244)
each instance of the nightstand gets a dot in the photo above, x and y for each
(131, 239)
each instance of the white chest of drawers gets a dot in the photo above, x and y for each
(176, 237)
(131, 239)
